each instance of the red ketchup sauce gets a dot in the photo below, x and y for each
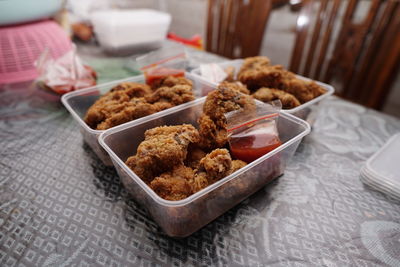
(250, 145)
(158, 73)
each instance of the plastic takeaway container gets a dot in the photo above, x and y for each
(127, 31)
(306, 111)
(182, 218)
(78, 102)
(382, 170)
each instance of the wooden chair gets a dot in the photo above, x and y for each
(365, 57)
(235, 28)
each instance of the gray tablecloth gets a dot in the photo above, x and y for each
(60, 206)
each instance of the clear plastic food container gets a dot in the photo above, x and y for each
(78, 102)
(382, 170)
(182, 218)
(306, 111)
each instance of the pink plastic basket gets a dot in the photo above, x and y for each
(21, 46)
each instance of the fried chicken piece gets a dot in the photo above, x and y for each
(230, 71)
(123, 103)
(303, 90)
(159, 106)
(195, 154)
(216, 164)
(277, 77)
(176, 95)
(163, 148)
(255, 63)
(268, 76)
(211, 135)
(171, 81)
(212, 124)
(238, 86)
(199, 182)
(133, 89)
(99, 112)
(224, 100)
(134, 109)
(175, 184)
(236, 165)
(269, 94)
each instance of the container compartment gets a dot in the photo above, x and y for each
(307, 111)
(78, 102)
(182, 218)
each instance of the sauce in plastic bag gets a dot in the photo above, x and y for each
(254, 142)
(159, 73)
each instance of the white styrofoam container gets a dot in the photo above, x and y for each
(119, 30)
(306, 111)
(382, 170)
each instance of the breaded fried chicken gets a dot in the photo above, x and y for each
(275, 76)
(133, 89)
(175, 184)
(128, 101)
(269, 94)
(212, 135)
(216, 164)
(236, 165)
(195, 154)
(163, 148)
(171, 81)
(255, 63)
(175, 95)
(238, 86)
(212, 124)
(268, 76)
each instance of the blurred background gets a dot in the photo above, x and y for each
(352, 44)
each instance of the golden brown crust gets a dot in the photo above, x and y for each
(128, 101)
(236, 165)
(211, 135)
(163, 148)
(175, 184)
(171, 81)
(195, 154)
(257, 75)
(238, 86)
(269, 94)
(216, 164)
(175, 95)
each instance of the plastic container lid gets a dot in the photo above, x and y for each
(382, 170)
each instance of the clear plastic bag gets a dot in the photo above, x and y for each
(169, 60)
(64, 74)
(254, 133)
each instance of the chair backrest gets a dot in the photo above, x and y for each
(235, 28)
(363, 57)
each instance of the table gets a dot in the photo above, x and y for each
(60, 206)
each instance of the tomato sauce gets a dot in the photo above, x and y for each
(159, 73)
(252, 145)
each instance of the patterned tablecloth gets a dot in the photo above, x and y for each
(59, 206)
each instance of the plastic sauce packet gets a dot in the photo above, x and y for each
(254, 133)
(169, 60)
(64, 74)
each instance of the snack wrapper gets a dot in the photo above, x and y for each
(65, 74)
(254, 133)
